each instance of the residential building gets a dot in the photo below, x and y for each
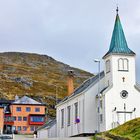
(24, 115)
(106, 100)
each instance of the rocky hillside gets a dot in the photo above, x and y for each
(38, 76)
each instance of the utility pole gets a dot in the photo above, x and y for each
(98, 94)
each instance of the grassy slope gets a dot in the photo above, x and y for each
(128, 131)
(41, 72)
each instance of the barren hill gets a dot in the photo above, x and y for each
(38, 76)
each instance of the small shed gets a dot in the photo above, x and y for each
(48, 130)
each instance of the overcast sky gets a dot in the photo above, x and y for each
(72, 31)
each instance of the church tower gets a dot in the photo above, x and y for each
(119, 60)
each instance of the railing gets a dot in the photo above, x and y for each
(8, 120)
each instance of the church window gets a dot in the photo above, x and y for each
(62, 118)
(101, 118)
(120, 64)
(69, 114)
(107, 66)
(76, 110)
(124, 94)
(123, 64)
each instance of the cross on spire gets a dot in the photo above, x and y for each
(117, 10)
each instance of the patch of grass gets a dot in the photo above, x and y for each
(128, 131)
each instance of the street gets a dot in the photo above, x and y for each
(28, 137)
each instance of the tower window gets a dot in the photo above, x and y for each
(125, 61)
(124, 94)
(123, 64)
(120, 64)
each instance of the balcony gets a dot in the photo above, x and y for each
(36, 119)
(8, 119)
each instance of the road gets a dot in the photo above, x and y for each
(26, 137)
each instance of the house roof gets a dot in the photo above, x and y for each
(4, 101)
(26, 100)
(86, 84)
(118, 43)
(48, 124)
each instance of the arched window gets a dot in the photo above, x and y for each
(107, 66)
(120, 64)
(125, 62)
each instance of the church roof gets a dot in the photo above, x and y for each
(118, 43)
(85, 85)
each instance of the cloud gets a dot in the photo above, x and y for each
(72, 31)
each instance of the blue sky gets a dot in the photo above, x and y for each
(72, 31)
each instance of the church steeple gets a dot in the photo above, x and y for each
(118, 43)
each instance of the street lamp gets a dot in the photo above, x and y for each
(98, 95)
(57, 87)
(56, 91)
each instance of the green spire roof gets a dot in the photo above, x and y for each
(118, 42)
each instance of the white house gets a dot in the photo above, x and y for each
(106, 100)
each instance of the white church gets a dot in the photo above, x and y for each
(106, 100)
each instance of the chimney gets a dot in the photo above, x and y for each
(70, 82)
(16, 98)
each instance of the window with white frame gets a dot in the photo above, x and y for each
(76, 110)
(69, 114)
(62, 118)
(123, 64)
(101, 118)
(120, 64)
(125, 61)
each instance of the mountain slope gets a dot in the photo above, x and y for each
(38, 76)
